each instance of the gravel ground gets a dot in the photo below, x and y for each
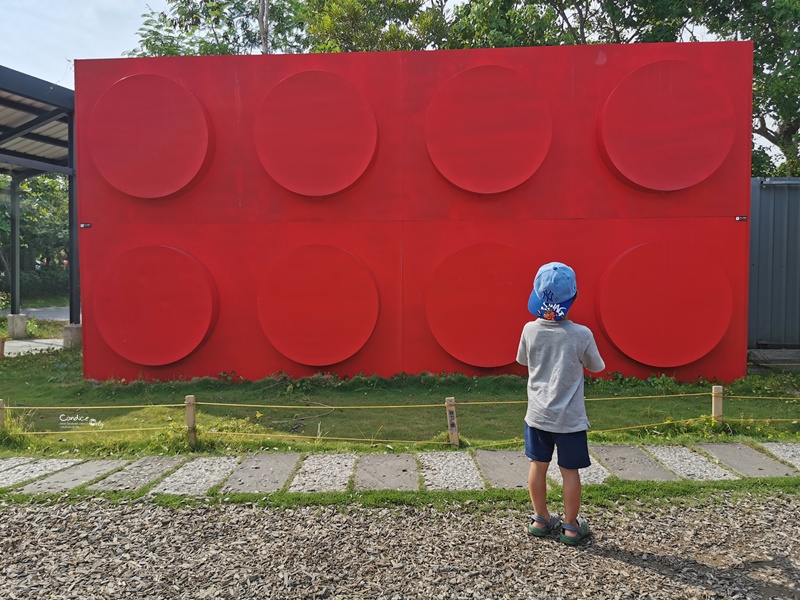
(719, 548)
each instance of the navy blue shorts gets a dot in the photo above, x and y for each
(573, 448)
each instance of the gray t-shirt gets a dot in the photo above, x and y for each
(555, 353)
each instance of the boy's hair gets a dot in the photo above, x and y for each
(554, 291)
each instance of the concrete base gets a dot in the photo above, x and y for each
(17, 326)
(72, 336)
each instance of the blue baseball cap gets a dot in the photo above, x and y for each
(554, 290)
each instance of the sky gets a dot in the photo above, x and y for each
(43, 38)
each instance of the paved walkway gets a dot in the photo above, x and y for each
(480, 470)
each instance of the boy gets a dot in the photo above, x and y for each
(556, 350)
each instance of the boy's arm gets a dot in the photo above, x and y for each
(522, 351)
(591, 357)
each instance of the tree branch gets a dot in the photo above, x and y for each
(263, 25)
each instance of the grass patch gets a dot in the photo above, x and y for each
(611, 495)
(38, 329)
(54, 411)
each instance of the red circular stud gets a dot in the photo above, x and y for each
(476, 304)
(664, 304)
(149, 136)
(154, 305)
(667, 126)
(315, 133)
(318, 305)
(488, 130)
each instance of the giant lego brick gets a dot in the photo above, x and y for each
(386, 212)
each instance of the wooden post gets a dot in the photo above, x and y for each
(452, 422)
(2, 415)
(191, 421)
(716, 403)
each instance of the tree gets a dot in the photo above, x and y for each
(212, 27)
(772, 25)
(373, 25)
(489, 23)
(44, 221)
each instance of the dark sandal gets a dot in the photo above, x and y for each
(549, 526)
(582, 531)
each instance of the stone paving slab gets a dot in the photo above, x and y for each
(787, 452)
(195, 478)
(387, 472)
(747, 461)
(324, 473)
(10, 463)
(72, 477)
(594, 473)
(688, 464)
(632, 463)
(504, 469)
(138, 474)
(450, 471)
(35, 469)
(262, 473)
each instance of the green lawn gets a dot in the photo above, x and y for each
(52, 410)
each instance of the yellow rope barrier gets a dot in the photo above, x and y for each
(76, 408)
(503, 443)
(322, 439)
(761, 420)
(372, 407)
(794, 398)
(295, 407)
(684, 421)
(95, 430)
(648, 397)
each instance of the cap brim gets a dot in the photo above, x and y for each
(548, 310)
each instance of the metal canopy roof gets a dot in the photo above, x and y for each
(35, 125)
(37, 136)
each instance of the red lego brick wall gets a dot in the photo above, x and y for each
(387, 212)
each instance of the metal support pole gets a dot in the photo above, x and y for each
(14, 258)
(74, 269)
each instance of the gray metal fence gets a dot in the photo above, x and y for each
(774, 290)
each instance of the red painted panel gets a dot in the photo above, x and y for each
(244, 262)
(386, 212)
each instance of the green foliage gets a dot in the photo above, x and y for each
(43, 220)
(217, 27)
(500, 24)
(772, 27)
(371, 25)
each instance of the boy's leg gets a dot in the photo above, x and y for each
(572, 497)
(539, 447)
(537, 487)
(573, 454)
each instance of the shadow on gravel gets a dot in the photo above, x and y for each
(755, 579)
